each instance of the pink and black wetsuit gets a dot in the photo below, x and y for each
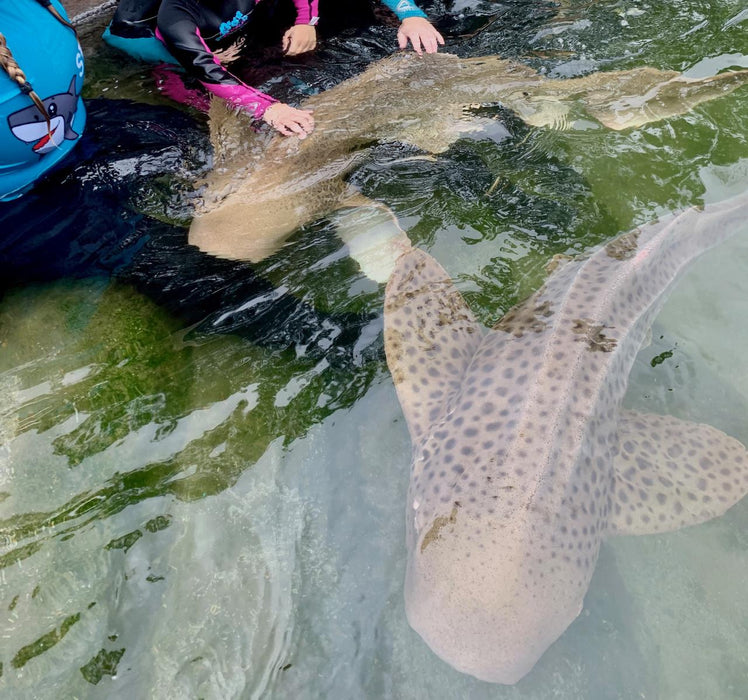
(192, 29)
(189, 28)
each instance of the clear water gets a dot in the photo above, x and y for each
(209, 515)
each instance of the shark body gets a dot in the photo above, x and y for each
(523, 459)
(29, 125)
(264, 187)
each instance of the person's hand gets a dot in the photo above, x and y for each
(289, 120)
(421, 33)
(299, 39)
(231, 53)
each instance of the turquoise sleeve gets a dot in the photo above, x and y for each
(404, 8)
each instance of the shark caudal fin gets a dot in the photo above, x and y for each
(670, 473)
(430, 337)
(619, 99)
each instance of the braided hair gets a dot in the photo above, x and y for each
(16, 74)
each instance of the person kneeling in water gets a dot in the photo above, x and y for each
(193, 30)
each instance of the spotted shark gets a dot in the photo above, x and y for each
(30, 126)
(524, 460)
(264, 187)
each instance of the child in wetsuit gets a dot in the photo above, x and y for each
(192, 29)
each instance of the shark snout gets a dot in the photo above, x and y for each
(485, 611)
(468, 646)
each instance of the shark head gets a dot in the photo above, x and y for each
(30, 126)
(480, 602)
(499, 557)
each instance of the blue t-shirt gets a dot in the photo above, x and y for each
(49, 54)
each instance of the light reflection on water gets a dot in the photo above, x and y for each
(201, 516)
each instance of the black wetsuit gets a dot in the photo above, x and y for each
(192, 29)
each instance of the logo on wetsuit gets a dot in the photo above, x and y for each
(232, 25)
(407, 6)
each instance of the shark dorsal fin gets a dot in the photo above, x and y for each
(430, 338)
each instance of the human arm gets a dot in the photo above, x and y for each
(179, 31)
(415, 27)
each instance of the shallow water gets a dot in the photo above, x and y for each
(200, 502)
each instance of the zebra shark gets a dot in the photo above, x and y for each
(263, 187)
(523, 458)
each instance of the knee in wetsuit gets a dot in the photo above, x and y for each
(133, 30)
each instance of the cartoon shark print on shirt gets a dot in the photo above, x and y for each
(29, 125)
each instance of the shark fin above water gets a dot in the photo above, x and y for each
(671, 473)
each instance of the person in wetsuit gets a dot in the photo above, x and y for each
(193, 31)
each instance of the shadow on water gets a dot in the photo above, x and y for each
(91, 218)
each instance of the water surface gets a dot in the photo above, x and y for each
(198, 500)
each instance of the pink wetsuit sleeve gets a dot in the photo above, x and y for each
(307, 11)
(244, 96)
(195, 55)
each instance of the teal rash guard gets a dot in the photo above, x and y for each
(48, 53)
(404, 8)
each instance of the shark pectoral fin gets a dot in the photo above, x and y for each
(540, 112)
(229, 133)
(372, 235)
(430, 337)
(671, 473)
(434, 137)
